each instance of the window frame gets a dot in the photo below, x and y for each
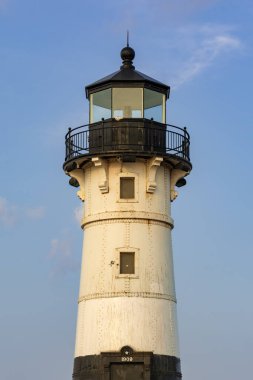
(121, 190)
(91, 106)
(162, 104)
(131, 261)
(136, 188)
(136, 252)
(142, 99)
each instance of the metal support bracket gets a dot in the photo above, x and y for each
(152, 167)
(103, 184)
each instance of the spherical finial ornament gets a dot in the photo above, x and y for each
(127, 54)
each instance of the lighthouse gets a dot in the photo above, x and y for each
(127, 164)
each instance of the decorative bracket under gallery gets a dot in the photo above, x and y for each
(152, 167)
(103, 184)
(175, 175)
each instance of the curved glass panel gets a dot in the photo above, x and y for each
(154, 105)
(100, 105)
(127, 102)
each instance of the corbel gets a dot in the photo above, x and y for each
(103, 184)
(152, 167)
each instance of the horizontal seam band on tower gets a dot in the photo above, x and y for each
(129, 216)
(127, 294)
(128, 220)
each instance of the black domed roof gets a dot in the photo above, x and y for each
(127, 76)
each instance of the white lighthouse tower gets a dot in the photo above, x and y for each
(126, 163)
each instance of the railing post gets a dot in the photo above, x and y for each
(103, 134)
(184, 144)
(151, 134)
(167, 138)
(68, 143)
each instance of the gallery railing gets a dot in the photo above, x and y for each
(113, 136)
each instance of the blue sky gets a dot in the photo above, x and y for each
(49, 50)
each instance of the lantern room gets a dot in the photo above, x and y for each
(127, 94)
(127, 117)
(127, 102)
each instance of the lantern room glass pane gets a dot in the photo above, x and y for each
(154, 105)
(100, 105)
(127, 102)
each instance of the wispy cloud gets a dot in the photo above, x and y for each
(158, 14)
(78, 213)
(184, 52)
(35, 213)
(11, 213)
(62, 250)
(178, 9)
(8, 213)
(187, 52)
(62, 255)
(206, 44)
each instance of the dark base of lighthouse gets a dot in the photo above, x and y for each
(130, 366)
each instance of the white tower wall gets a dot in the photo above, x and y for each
(126, 309)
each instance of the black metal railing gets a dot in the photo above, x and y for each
(127, 135)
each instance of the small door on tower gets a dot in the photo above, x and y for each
(127, 371)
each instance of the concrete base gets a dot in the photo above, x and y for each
(127, 365)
